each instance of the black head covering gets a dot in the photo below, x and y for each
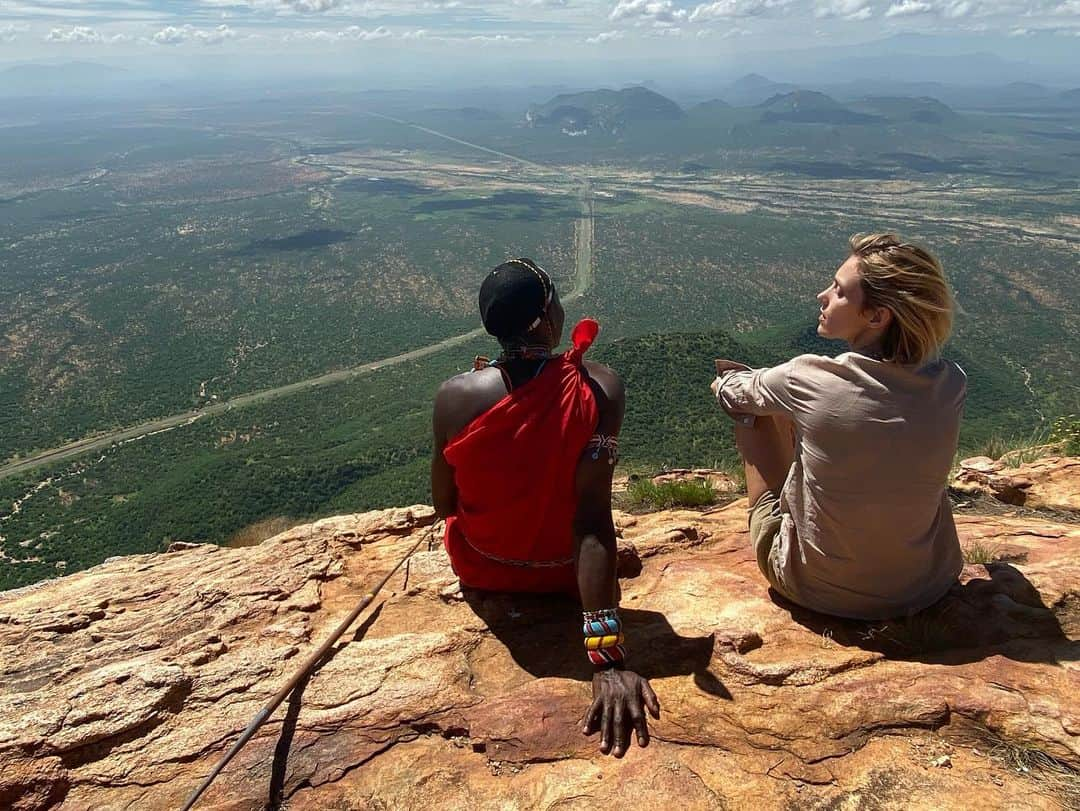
(514, 297)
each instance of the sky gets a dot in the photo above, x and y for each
(454, 32)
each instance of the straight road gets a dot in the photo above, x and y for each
(582, 280)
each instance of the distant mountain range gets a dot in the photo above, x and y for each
(930, 102)
(608, 111)
(809, 107)
(753, 88)
(616, 112)
(922, 110)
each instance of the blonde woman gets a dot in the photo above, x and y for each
(847, 458)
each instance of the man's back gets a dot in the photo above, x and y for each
(511, 441)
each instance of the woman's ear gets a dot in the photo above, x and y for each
(881, 317)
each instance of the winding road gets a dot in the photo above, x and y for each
(582, 280)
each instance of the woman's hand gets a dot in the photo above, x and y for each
(722, 368)
(619, 700)
(730, 366)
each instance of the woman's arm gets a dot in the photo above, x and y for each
(761, 392)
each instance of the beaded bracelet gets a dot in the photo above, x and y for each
(603, 636)
(604, 442)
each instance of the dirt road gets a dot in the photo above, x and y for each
(582, 279)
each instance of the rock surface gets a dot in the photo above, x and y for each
(1050, 483)
(123, 685)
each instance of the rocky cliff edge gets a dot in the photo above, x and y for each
(122, 686)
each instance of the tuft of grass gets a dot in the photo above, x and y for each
(1051, 776)
(645, 494)
(1017, 450)
(255, 534)
(735, 469)
(977, 552)
(995, 447)
(1065, 433)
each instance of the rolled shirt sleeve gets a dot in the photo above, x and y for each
(761, 392)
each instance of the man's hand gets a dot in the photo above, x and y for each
(619, 699)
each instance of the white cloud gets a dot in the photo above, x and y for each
(728, 9)
(497, 38)
(908, 8)
(844, 9)
(82, 35)
(282, 6)
(353, 33)
(606, 36)
(311, 6)
(958, 9)
(10, 33)
(179, 35)
(660, 10)
(1069, 8)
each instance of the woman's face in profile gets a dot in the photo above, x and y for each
(843, 302)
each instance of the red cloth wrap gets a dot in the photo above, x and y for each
(514, 467)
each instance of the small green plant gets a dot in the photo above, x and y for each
(995, 447)
(977, 552)
(644, 493)
(1051, 776)
(1065, 433)
(733, 468)
(1017, 450)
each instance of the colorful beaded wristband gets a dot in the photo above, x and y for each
(598, 642)
(603, 636)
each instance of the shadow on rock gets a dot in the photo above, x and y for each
(278, 798)
(542, 633)
(1001, 614)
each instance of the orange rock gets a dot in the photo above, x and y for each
(445, 699)
(1050, 483)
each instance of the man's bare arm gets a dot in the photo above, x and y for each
(594, 531)
(443, 489)
(620, 696)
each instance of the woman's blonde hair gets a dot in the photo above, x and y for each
(908, 281)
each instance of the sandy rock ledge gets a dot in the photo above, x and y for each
(123, 685)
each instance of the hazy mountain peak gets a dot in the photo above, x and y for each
(603, 110)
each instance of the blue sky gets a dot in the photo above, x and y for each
(463, 29)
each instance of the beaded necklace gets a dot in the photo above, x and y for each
(525, 352)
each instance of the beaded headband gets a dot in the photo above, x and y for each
(545, 281)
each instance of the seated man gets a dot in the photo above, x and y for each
(524, 451)
(847, 458)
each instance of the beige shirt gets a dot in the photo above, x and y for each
(867, 529)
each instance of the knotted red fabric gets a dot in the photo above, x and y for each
(514, 467)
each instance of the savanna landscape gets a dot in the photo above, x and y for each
(244, 308)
